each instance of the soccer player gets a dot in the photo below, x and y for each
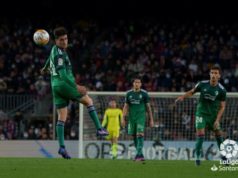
(137, 103)
(112, 120)
(209, 110)
(65, 89)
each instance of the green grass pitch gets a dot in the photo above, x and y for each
(99, 168)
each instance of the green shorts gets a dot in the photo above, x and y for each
(203, 121)
(136, 126)
(62, 94)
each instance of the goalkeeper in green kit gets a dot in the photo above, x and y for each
(65, 89)
(209, 110)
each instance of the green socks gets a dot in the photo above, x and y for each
(219, 141)
(135, 141)
(140, 144)
(198, 147)
(94, 116)
(60, 132)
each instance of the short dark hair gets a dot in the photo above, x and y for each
(216, 67)
(59, 31)
(136, 78)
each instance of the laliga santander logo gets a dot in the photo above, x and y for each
(229, 149)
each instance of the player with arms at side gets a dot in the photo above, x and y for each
(209, 110)
(137, 103)
(112, 120)
(65, 89)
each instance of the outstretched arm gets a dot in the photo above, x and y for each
(186, 95)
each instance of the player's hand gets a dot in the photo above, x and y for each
(216, 125)
(42, 71)
(82, 89)
(151, 123)
(180, 98)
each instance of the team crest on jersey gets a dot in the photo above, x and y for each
(60, 51)
(60, 61)
(216, 93)
(140, 96)
(130, 96)
(205, 90)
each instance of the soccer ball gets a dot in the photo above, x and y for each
(41, 37)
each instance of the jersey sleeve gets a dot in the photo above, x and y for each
(126, 98)
(223, 95)
(197, 87)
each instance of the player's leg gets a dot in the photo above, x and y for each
(109, 137)
(62, 116)
(217, 131)
(219, 137)
(73, 93)
(88, 102)
(139, 147)
(218, 134)
(132, 132)
(114, 147)
(200, 133)
(114, 140)
(61, 105)
(140, 126)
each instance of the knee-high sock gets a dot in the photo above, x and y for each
(60, 132)
(198, 147)
(93, 114)
(219, 140)
(135, 140)
(114, 149)
(140, 144)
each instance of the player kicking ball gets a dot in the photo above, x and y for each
(65, 89)
(209, 110)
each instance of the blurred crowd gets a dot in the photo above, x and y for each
(170, 56)
(20, 127)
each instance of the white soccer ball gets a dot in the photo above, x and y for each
(41, 37)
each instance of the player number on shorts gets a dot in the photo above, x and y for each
(199, 119)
